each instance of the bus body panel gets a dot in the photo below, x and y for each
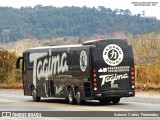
(51, 70)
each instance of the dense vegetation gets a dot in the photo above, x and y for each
(50, 22)
(147, 58)
(8, 72)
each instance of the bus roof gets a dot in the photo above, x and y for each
(51, 47)
(93, 42)
(88, 43)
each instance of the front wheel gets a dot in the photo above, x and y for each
(34, 96)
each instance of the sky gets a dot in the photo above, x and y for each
(151, 7)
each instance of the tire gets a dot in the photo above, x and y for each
(71, 99)
(66, 99)
(104, 101)
(79, 101)
(34, 96)
(115, 100)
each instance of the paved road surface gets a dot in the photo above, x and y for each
(14, 100)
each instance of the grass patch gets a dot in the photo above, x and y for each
(148, 75)
(13, 85)
(148, 86)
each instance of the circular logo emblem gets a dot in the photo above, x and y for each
(113, 55)
(83, 60)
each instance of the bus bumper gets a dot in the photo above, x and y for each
(111, 94)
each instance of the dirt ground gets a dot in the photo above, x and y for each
(148, 93)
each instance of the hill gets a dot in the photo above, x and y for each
(51, 22)
(21, 45)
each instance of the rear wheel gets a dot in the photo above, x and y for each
(116, 100)
(71, 99)
(104, 101)
(79, 101)
(34, 96)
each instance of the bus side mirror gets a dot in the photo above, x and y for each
(18, 62)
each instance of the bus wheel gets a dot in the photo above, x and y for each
(71, 99)
(115, 100)
(104, 101)
(34, 96)
(78, 98)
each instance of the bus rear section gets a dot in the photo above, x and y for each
(112, 74)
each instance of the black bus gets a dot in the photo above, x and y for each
(95, 70)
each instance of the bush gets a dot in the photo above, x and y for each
(147, 58)
(8, 71)
(148, 75)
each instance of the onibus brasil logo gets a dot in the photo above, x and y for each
(113, 55)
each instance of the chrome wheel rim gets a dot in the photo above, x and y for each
(34, 94)
(70, 96)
